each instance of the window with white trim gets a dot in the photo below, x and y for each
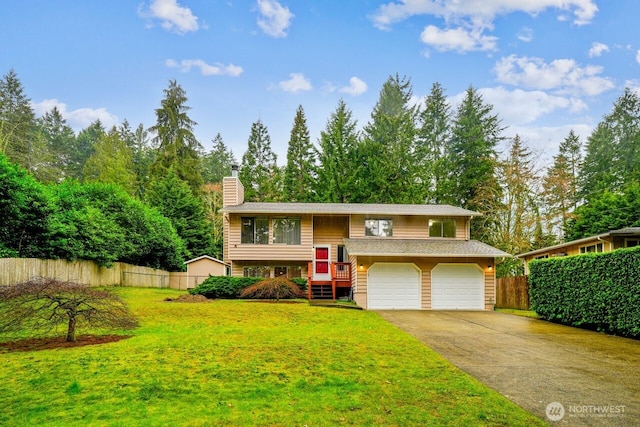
(256, 271)
(286, 231)
(598, 247)
(255, 230)
(631, 243)
(375, 227)
(290, 272)
(442, 227)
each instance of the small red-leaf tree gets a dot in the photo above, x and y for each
(276, 288)
(41, 305)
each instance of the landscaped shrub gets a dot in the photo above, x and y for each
(225, 287)
(228, 287)
(274, 288)
(596, 291)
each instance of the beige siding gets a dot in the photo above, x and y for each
(238, 251)
(233, 191)
(406, 226)
(608, 245)
(330, 230)
(425, 265)
(237, 270)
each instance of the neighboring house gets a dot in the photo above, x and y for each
(385, 256)
(199, 269)
(605, 242)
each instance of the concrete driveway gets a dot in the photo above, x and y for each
(594, 377)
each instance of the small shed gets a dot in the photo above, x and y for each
(199, 269)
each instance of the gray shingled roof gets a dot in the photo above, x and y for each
(421, 247)
(348, 209)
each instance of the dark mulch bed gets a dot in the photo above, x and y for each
(188, 298)
(35, 344)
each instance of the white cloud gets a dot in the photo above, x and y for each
(564, 76)
(525, 35)
(274, 18)
(77, 119)
(597, 49)
(296, 83)
(546, 139)
(172, 16)
(479, 12)
(205, 69)
(356, 87)
(458, 39)
(518, 107)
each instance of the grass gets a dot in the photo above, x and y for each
(243, 363)
(523, 313)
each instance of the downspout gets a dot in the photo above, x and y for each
(600, 239)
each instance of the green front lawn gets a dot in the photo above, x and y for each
(247, 363)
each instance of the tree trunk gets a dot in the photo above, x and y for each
(71, 330)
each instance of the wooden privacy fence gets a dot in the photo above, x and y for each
(16, 270)
(512, 292)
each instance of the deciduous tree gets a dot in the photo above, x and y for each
(41, 305)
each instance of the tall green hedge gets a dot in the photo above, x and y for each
(596, 291)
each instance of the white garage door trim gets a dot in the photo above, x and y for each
(457, 287)
(394, 285)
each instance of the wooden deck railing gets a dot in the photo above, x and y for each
(340, 278)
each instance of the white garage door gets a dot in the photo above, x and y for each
(393, 286)
(457, 286)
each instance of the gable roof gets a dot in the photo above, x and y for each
(372, 246)
(205, 257)
(628, 231)
(348, 209)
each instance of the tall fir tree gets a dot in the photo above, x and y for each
(337, 166)
(85, 141)
(112, 162)
(471, 162)
(433, 135)
(259, 172)
(18, 137)
(300, 173)
(387, 151)
(216, 164)
(560, 186)
(612, 159)
(60, 141)
(518, 219)
(177, 146)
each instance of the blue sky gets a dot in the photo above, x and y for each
(547, 66)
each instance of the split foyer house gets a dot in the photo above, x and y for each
(604, 242)
(385, 256)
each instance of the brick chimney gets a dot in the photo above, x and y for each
(232, 189)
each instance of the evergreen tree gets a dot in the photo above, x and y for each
(217, 163)
(112, 162)
(259, 173)
(83, 149)
(560, 185)
(612, 159)
(177, 146)
(60, 141)
(336, 158)
(18, 139)
(212, 198)
(434, 132)
(471, 163)
(299, 174)
(387, 152)
(174, 199)
(518, 219)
